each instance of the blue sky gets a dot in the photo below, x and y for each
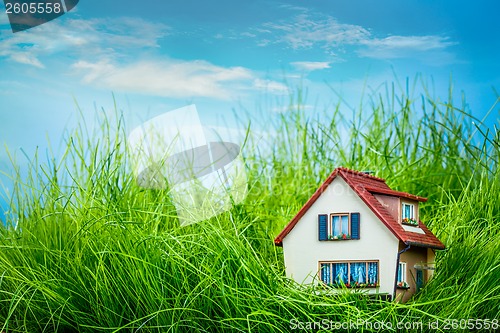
(225, 55)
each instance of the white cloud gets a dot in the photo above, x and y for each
(270, 86)
(304, 32)
(248, 34)
(311, 65)
(167, 78)
(100, 51)
(25, 58)
(404, 46)
(421, 43)
(82, 38)
(264, 42)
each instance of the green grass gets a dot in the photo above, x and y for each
(92, 252)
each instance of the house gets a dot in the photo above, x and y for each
(355, 231)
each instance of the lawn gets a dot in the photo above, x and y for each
(90, 251)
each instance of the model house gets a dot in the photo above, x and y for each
(356, 232)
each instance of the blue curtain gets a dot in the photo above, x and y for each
(345, 224)
(358, 272)
(407, 211)
(337, 273)
(325, 273)
(373, 272)
(340, 225)
(335, 225)
(340, 273)
(400, 273)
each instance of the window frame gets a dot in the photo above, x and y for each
(330, 234)
(411, 220)
(349, 262)
(412, 210)
(401, 281)
(402, 269)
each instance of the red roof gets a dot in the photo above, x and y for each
(365, 185)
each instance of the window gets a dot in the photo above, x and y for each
(408, 215)
(401, 278)
(340, 226)
(408, 211)
(402, 272)
(351, 274)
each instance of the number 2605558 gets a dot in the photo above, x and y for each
(33, 8)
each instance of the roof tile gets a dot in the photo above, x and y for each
(364, 185)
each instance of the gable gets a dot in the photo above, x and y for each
(338, 198)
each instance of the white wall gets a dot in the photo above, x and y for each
(302, 249)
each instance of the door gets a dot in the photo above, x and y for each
(419, 279)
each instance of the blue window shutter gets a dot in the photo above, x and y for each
(322, 228)
(355, 225)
